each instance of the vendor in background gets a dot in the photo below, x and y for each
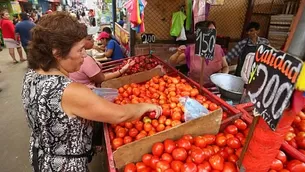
(112, 48)
(246, 46)
(15, 19)
(187, 55)
(60, 112)
(90, 72)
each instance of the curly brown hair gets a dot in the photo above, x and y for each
(57, 31)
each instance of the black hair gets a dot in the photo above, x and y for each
(253, 25)
(108, 30)
(203, 24)
(24, 16)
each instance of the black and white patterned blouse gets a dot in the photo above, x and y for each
(55, 134)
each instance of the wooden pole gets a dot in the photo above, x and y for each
(201, 74)
(248, 17)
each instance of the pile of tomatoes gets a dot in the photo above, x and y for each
(164, 91)
(296, 135)
(192, 154)
(142, 63)
(281, 164)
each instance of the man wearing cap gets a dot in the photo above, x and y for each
(113, 49)
(90, 72)
(23, 29)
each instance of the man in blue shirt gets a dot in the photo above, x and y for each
(23, 29)
(113, 49)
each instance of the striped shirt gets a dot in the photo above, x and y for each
(239, 47)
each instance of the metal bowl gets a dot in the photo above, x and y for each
(229, 86)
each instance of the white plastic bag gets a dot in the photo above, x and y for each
(107, 93)
(192, 108)
(182, 36)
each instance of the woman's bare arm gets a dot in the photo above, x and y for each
(78, 100)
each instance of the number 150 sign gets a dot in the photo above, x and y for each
(205, 42)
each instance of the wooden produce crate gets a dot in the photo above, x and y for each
(124, 154)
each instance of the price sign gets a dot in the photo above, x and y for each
(271, 82)
(205, 42)
(148, 38)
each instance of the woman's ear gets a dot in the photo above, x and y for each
(55, 53)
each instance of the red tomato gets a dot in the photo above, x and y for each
(169, 146)
(213, 107)
(179, 154)
(154, 123)
(162, 166)
(166, 112)
(146, 159)
(233, 143)
(199, 141)
(229, 150)
(167, 157)
(121, 132)
(133, 132)
(300, 140)
(210, 139)
(281, 156)
(276, 165)
(128, 125)
(240, 136)
(147, 127)
(189, 138)
(208, 152)
(221, 141)
(233, 158)
(224, 154)
(295, 166)
(131, 167)
(176, 116)
(182, 143)
(162, 119)
(231, 129)
(139, 125)
(176, 165)
(229, 167)
(240, 124)
(216, 148)
(189, 167)
(157, 149)
(217, 162)
(168, 122)
(153, 162)
(117, 142)
(204, 167)
(197, 155)
(140, 166)
(127, 139)
(160, 127)
(140, 136)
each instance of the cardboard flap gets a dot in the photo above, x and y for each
(133, 152)
(134, 78)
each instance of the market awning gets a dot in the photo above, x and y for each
(54, 0)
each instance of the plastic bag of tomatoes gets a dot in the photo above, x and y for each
(192, 108)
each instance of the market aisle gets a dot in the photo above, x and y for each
(14, 135)
(14, 132)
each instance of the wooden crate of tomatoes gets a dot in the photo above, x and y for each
(142, 63)
(165, 91)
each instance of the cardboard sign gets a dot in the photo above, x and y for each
(271, 83)
(148, 38)
(205, 42)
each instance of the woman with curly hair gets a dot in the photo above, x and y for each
(60, 112)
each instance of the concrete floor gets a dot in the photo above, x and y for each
(14, 132)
